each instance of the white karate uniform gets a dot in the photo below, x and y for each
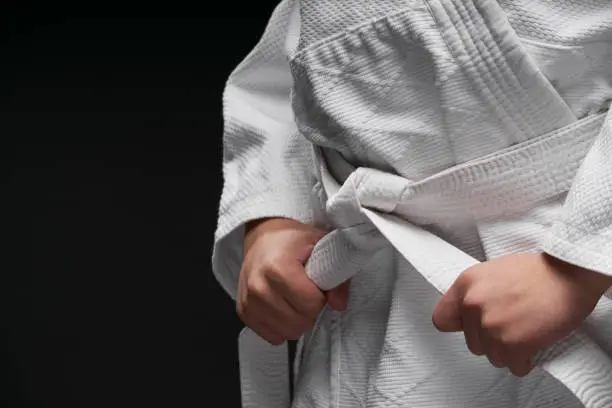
(427, 135)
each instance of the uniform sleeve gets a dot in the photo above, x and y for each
(267, 164)
(583, 234)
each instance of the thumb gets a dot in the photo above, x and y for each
(447, 314)
(338, 296)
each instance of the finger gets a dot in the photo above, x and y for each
(447, 314)
(337, 298)
(298, 290)
(241, 292)
(470, 321)
(256, 324)
(495, 357)
(519, 362)
(492, 350)
(521, 366)
(266, 332)
(304, 252)
(280, 316)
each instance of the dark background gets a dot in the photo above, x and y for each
(110, 122)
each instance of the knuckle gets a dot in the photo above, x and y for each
(491, 324)
(510, 341)
(472, 300)
(256, 287)
(468, 277)
(273, 271)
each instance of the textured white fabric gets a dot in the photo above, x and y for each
(440, 264)
(264, 372)
(267, 165)
(582, 234)
(409, 92)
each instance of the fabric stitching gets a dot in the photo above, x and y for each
(337, 37)
(502, 71)
(446, 41)
(355, 77)
(492, 71)
(582, 230)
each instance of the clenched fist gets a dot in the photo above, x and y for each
(512, 307)
(276, 299)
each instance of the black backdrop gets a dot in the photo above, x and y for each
(110, 122)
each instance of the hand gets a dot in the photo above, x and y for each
(512, 307)
(276, 299)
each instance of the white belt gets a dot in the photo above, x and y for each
(478, 187)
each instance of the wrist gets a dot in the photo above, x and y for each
(261, 224)
(252, 225)
(255, 228)
(594, 282)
